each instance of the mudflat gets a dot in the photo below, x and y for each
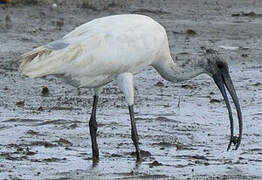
(183, 127)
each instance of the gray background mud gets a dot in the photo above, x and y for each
(47, 137)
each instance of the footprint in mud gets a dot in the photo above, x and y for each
(155, 163)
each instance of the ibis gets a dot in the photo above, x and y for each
(115, 48)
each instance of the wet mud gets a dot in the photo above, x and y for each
(183, 127)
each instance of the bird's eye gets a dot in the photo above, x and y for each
(220, 65)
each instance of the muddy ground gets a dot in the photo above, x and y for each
(183, 128)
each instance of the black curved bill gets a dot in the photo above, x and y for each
(221, 81)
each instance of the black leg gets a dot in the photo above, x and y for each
(134, 134)
(93, 129)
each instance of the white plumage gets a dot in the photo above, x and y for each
(95, 52)
(115, 48)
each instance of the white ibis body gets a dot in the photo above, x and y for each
(116, 48)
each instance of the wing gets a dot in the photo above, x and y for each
(64, 56)
(109, 45)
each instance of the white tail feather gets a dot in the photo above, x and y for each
(43, 61)
(26, 59)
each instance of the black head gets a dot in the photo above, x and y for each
(218, 69)
(213, 63)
